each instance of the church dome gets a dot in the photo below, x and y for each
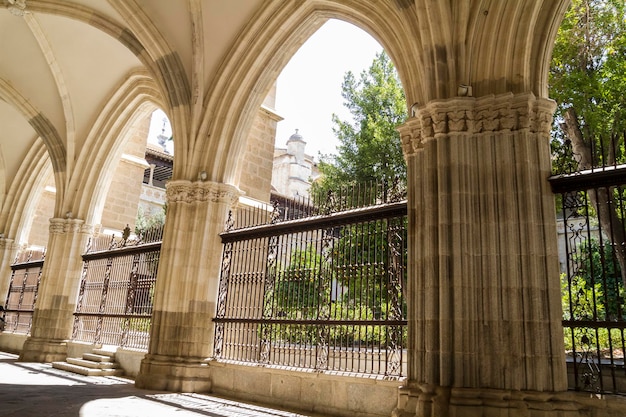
(295, 137)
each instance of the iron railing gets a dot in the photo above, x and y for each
(117, 289)
(22, 294)
(318, 291)
(591, 193)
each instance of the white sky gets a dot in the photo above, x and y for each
(309, 87)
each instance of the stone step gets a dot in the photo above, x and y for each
(82, 370)
(95, 357)
(92, 364)
(104, 352)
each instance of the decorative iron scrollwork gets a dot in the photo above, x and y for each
(590, 373)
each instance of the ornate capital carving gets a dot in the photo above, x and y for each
(183, 191)
(467, 115)
(62, 226)
(411, 136)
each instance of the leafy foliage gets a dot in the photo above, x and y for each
(298, 290)
(369, 147)
(146, 221)
(588, 69)
(350, 283)
(603, 267)
(594, 293)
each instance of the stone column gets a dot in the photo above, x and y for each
(58, 290)
(8, 251)
(181, 338)
(485, 334)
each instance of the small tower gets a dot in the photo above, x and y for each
(295, 147)
(162, 139)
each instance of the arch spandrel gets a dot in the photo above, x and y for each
(43, 129)
(436, 47)
(135, 98)
(264, 48)
(22, 195)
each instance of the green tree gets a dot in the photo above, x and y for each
(596, 267)
(588, 69)
(369, 147)
(298, 290)
(369, 154)
(588, 81)
(146, 221)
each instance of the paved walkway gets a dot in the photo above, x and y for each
(36, 389)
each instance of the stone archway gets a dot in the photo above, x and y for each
(482, 244)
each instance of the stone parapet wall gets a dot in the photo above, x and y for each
(324, 393)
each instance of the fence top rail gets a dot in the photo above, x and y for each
(124, 250)
(589, 178)
(310, 322)
(113, 315)
(101, 243)
(381, 211)
(27, 265)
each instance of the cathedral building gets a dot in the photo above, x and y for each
(480, 332)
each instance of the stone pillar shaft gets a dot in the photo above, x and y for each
(58, 290)
(186, 290)
(8, 251)
(484, 293)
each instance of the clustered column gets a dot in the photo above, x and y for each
(181, 338)
(58, 290)
(484, 293)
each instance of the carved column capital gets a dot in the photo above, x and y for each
(189, 192)
(447, 117)
(63, 226)
(467, 115)
(411, 136)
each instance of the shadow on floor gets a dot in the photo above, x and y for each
(35, 389)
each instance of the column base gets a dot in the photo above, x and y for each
(433, 401)
(166, 373)
(43, 350)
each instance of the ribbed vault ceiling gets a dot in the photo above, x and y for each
(58, 60)
(70, 68)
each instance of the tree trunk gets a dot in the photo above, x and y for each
(601, 198)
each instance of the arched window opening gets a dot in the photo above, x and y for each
(315, 293)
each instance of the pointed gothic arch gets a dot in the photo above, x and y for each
(245, 78)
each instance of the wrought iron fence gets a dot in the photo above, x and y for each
(317, 286)
(117, 289)
(591, 193)
(22, 294)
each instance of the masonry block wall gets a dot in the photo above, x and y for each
(152, 199)
(256, 174)
(120, 208)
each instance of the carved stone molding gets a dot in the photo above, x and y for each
(201, 191)
(62, 226)
(473, 116)
(411, 136)
(422, 399)
(16, 7)
(8, 244)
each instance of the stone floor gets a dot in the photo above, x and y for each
(36, 389)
